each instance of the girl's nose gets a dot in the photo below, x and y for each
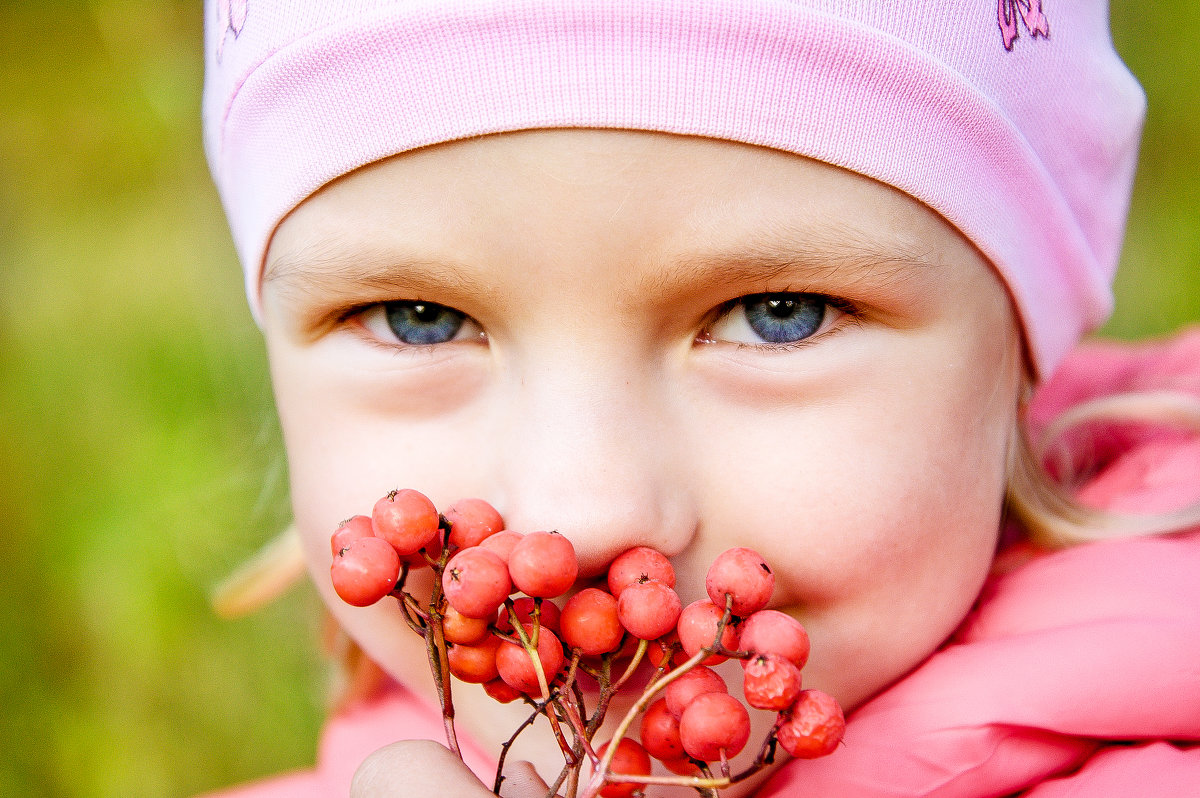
(596, 460)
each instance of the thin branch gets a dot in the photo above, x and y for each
(507, 744)
(601, 774)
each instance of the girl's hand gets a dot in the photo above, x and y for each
(425, 769)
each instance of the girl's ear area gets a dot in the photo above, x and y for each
(263, 578)
(1045, 503)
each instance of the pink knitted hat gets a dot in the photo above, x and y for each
(1014, 119)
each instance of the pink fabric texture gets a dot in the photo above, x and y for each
(393, 714)
(1078, 674)
(1018, 125)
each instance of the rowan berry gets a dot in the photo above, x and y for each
(590, 624)
(358, 526)
(774, 632)
(743, 574)
(421, 558)
(714, 725)
(476, 583)
(458, 628)
(695, 682)
(660, 732)
(681, 766)
(639, 564)
(501, 543)
(364, 571)
(475, 664)
(500, 691)
(697, 629)
(648, 610)
(771, 682)
(471, 521)
(516, 665)
(407, 519)
(813, 727)
(630, 759)
(543, 564)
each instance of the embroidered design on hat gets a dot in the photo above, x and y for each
(1009, 13)
(231, 17)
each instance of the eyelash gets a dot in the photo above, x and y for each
(851, 316)
(792, 346)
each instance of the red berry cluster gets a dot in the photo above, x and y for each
(491, 620)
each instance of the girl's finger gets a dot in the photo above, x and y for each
(416, 769)
(522, 781)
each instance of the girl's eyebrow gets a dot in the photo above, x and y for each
(843, 264)
(333, 273)
(336, 273)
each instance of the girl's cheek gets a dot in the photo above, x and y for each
(880, 530)
(354, 430)
(371, 381)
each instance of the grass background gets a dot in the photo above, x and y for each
(139, 458)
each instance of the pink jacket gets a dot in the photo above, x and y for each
(1078, 674)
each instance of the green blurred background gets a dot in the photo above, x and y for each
(139, 457)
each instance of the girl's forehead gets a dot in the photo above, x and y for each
(645, 213)
(691, 197)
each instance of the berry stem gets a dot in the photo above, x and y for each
(697, 782)
(414, 616)
(571, 762)
(604, 678)
(568, 750)
(656, 685)
(530, 644)
(578, 726)
(600, 775)
(535, 617)
(766, 756)
(638, 654)
(572, 670)
(574, 707)
(408, 605)
(439, 663)
(507, 744)
(568, 774)
(709, 791)
(572, 784)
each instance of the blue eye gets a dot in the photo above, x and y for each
(422, 322)
(784, 318)
(778, 318)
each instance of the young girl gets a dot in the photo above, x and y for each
(773, 273)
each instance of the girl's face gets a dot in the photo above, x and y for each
(645, 339)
